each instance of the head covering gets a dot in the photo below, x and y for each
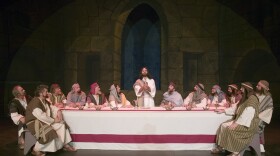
(247, 85)
(217, 88)
(233, 86)
(264, 84)
(199, 94)
(114, 96)
(92, 87)
(201, 86)
(172, 84)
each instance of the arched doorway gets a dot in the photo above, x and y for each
(141, 45)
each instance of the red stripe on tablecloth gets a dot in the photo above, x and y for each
(110, 138)
(142, 110)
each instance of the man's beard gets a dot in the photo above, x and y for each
(58, 93)
(144, 74)
(170, 91)
(213, 94)
(259, 92)
(98, 92)
(229, 93)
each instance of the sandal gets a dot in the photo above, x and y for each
(216, 151)
(69, 148)
(37, 153)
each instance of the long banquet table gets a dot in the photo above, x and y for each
(143, 129)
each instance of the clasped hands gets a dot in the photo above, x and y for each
(145, 88)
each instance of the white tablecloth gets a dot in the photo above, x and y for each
(153, 129)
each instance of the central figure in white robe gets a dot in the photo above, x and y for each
(145, 89)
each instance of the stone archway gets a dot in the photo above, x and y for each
(119, 16)
(141, 45)
(167, 15)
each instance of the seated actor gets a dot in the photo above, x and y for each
(234, 135)
(57, 98)
(96, 97)
(217, 97)
(197, 98)
(172, 96)
(76, 98)
(117, 98)
(266, 106)
(17, 111)
(233, 95)
(51, 132)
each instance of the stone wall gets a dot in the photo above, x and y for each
(58, 49)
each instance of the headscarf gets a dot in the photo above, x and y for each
(114, 96)
(92, 88)
(248, 86)
(219, 92)
(199, 95)
(264, 84)
(233, 86)
(249, 89)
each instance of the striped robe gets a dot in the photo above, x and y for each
(266, 109)
(57, 98)
(237, 139)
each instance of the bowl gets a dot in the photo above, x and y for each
(168, 108)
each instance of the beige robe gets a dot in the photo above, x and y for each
(148, 97)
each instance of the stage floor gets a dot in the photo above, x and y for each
(8, 145)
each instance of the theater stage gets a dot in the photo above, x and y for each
(8, 145)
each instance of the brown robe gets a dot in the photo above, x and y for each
(91, 99)
(44, 133)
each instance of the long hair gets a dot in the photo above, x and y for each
(148, 73)
(233, 93)
(247, 93)
(263, 91)
(115, 85)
